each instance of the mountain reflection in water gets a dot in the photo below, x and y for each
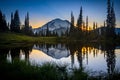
(96, 58)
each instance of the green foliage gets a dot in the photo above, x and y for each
(78, 74)
(18, 38)
(20, 70)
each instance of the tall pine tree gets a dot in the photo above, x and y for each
(110, 30)
(108, 21)
(113, 20)
(80, 20)
(93, 25)
(86, 23)
(15, 22)
(12, 23)
(3, 23)
(72, 23)
(27, 20)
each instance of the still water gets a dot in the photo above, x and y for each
(95, 58)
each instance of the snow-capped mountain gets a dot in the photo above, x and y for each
(56, 25)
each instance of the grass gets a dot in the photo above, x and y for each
(9, 38)
(17, 38)
(20, 70)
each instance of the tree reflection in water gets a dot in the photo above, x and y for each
(80, 52)
(110, 58)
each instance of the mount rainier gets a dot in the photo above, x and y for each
(56, 25)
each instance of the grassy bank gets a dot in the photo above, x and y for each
(17, 38)
(20, 70)
(9, 38)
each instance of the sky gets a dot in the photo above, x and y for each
(43, 11)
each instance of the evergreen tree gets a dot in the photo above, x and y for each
(96, 26)
(27, 20)
(80, 20)
(3, 23)
(93, 25)
(108, 21)
(72, 18)
(12, 23)
(5, 27)
(72, 23)
(83, 27)
(113, 20)
(15, 22)
(86, 23)
(27, 29)
(110, 30)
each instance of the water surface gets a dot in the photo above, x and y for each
(95, 58)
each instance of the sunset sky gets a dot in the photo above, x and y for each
(43, 11)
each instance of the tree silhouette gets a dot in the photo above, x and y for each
(113, 20)
(15, 22)
(27, 29)
(79, 21)
(3, 23)
(86, 23)
(12, 23)
(110, 30)
(93, 25)
(72, 23)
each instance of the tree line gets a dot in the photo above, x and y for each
(79, 31)
(82, 30)
(15, 24)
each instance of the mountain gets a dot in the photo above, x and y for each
(56, 25)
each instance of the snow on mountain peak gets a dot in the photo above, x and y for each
(57, 25)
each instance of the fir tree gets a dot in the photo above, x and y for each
(110, 30)
(113, 20)
(5, 27)
(83, 27)
(3, 23)
(80, 21)
(15, 22)
(93, 25)
(96, 25)
(27, 20)
(86, 23)
(108, 21)
(72, 18)
(12, 23)
(1, 20)
(72, 23)
(27, 29)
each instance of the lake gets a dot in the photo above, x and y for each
(96, 58)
